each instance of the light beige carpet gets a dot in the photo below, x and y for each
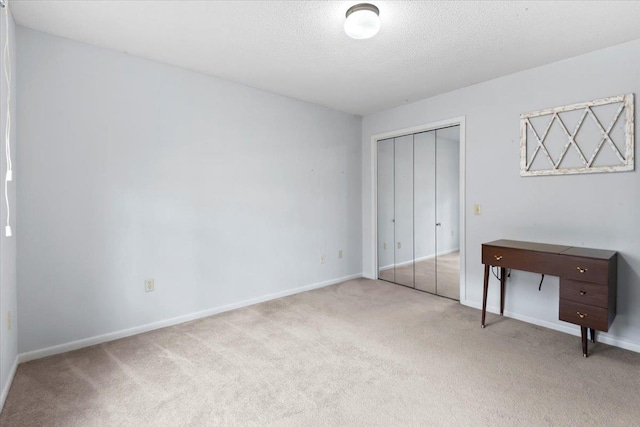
(360, 353)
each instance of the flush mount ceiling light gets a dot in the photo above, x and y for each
(363, 21)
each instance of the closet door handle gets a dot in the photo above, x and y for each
(438, 224)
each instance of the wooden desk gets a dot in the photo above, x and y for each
(588, 279)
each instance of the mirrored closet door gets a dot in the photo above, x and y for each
(448, 212)
(403, 191)
(386, 205)
(418, 211)
(425, 209)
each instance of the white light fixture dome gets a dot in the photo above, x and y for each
(363, 21)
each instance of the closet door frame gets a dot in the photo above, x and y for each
(373, 249)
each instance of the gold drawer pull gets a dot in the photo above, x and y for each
(581, 270)
(583, 293)
(582, 315)
(498, 257)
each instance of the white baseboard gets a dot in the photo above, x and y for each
(99, 339)
(568, 328)
(7, 386)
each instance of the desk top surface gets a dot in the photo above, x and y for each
(554, 249)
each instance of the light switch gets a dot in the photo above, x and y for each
(477, 210)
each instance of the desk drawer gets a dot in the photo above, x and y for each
(585, 269)
(584, 315)
(524, 260)
(584, 293)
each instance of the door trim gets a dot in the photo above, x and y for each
(373, 250)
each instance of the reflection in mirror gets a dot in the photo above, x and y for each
(448, 212)
(404, 210)
(418, 201)
(386, 253)
(425, 210)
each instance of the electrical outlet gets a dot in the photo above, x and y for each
(399, 245)
(149, 286)
(340, 253)
(477, 210)
(323, 259)
(8, 320)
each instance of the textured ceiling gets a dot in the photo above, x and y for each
(299, 49)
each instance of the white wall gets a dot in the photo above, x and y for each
(597, 210)
(133, 170)
(8, 300)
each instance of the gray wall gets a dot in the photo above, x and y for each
(133, 170)
(8, 299)
(598, 210)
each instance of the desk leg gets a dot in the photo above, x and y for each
(503, 278)
(592, 333)
(484, 293)
(583, 332)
